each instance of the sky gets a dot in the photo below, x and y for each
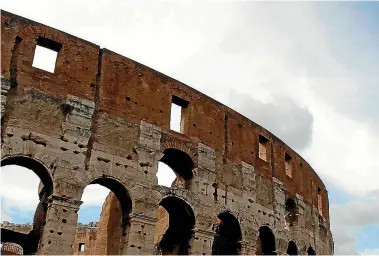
(306, 71)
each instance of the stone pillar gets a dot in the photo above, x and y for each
(140, 236)
(5, 86)
(60, 228)
(249, 184)
(150, 136)
(78, 119)
(248, 248)
(279, 202)
(202, 242)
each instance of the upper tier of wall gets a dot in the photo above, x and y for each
(131, 91)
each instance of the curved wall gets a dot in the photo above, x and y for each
(103, 115)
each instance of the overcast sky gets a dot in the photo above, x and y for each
(308, 72)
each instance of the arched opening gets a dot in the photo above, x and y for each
(173, 237)
(311, 251)
(26, 185)
(105, 214)
(292, 213)
(11, 249)
(228, 237)
(266, 242)
(292, 248)
(175, 168)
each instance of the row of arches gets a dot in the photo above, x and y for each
(179, 233)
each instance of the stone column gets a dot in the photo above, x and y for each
(140, 236)
(202, 242)
(5, 86)
(279, 203)
(60, 228)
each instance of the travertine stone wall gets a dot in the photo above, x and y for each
(103, 118)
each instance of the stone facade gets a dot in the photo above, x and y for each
(102, 118)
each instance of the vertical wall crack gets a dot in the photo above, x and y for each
(95, 114)
(225, 138)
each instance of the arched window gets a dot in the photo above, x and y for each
(291, 214)
(11, 249)
(292, 248)
(266, 242)
(175, 238)
(110, 199)
(175, 168)
(228, 235)
(26, 186)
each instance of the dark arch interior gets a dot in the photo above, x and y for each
(181, 224)
(267, 239)
(292, 248)
(291, 205)
(228, 236)
(179, 162)
(38, 168)
(311, 251)
(120, 192)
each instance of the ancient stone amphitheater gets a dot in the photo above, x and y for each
(101, 118)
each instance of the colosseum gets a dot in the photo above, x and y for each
(101, 118)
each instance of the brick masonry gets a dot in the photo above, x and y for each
(103, 118)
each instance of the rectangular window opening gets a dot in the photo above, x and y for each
(176, 119)
(81, 247)
(46, 53)
(288, 165)
(319, 200)
(263, 144)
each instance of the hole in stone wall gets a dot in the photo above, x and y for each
(227, 240)
(81, 247)
(291, 214)
(288, 164)
(177, 109)
(263, 146)
(46, 53)
(215, 194)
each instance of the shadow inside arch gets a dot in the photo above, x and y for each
(181, 222)
(228, 237)
(266, 242)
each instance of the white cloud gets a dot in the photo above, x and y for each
(370, 252)
(347, 220)
(94, 195)
(19, 192)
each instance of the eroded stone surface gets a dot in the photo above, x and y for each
(103, 118)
